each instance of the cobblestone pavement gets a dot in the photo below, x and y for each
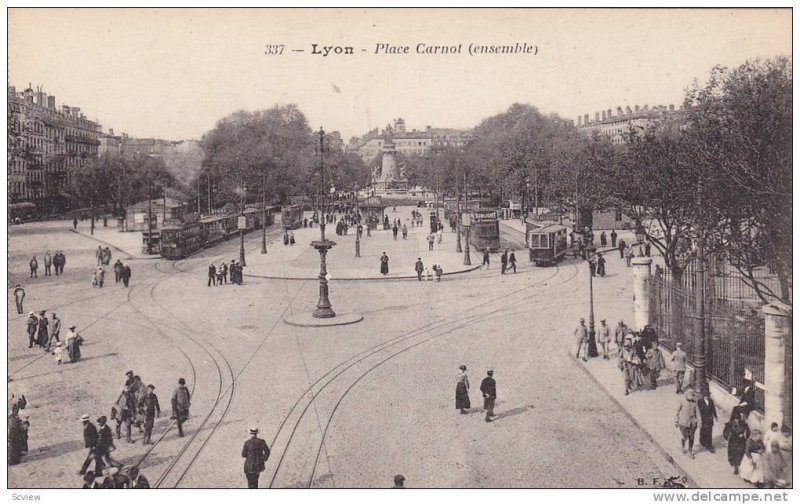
(383, 389)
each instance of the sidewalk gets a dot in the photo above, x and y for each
(654, 410)
(301, 261)
(128, 243)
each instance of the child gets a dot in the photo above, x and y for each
(57, 352)
(427, 274)
(439, 272)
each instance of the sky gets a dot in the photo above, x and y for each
(173, 73)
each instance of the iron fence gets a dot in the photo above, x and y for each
(734, 330)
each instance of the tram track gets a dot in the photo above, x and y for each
(432, 330)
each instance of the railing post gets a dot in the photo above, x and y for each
(641, 292)
(777, 330)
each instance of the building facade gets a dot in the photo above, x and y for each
(46, 145)
(408, 143)
(617, 125)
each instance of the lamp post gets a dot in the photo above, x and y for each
(264, 214)
(592, 351)
(322, 245)
(467, 223)
(242, 225)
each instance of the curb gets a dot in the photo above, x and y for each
(387, 279)
(622, 408)
(132, 256)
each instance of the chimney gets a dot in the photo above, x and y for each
(110, 131)
(585, 119)
(628, 110)
(609, 113)
(579, 120)
(604, 115)
(619, 111)
(51, 102)
(646, 107)
(597, 116)
(672, 107)
(637, 108)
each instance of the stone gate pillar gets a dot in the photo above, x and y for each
(641, 292)
(777, 330)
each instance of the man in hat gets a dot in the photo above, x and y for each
(55, 330)
(679, 366)
(619, 334)
(151, 410)
(399, 481)
(90, 442)
(686, 420)
(605, 337)
(181, 400)
(124, 410)
(19, 297)
(708, 413)
(105, 442)
(33, 325)
(419, 268)
(489, 391)
(255, 453)
(582, 335)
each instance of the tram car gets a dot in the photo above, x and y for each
(180, 239)
(292, 216)
(485, 232)
(547, 245)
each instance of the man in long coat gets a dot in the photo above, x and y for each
(33, 328)
(151, 410)
(708, 413)
(181, 400)
(489, 391)
(90, 442)
(686, 421)
(255, 453)
(43, 333)
(419, 268)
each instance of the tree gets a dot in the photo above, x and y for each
(741, 134)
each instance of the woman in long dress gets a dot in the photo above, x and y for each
(384, 264)
(736, 433)
(462, 390)
(752, 468)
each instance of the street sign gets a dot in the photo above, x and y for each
(241, 222)
(466, 219)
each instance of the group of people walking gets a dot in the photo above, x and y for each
(421, 270)
(56, 261)
(46, 334)
(219, 275)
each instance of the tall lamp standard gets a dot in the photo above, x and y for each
(322, 245)
(592, 350)
(264, 214)
(242, 226)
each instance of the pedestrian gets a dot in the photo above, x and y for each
(603, 241)
(384, 264)
(42, 332)
(212, 275)
(582, 335)
(48, 262)
(649, 335)
(24, 426)
(619, 333)
(57, 262)
(439, 272)
(628, 256)
(462, 390)
(622, 247)
(430, 241)
(747, 396)
(19, 297)
(106, 256)
(101, 276)
(90, 442)
(181, 400)
(75, 223)
(291, 238)
(736, 433)
(601, 265)
(605, 338)
(126, 275)
(613, 239)
(256, 453)
(399, 481)
(512, 261)
(105, 443)
(485, 258)
(151, 410)
(224, 272)
(708, 413)
(775, 465)
(98, 254)
(123, 412)
(440, 233)
(655, 363)
(14, 438)
(34, 264)
(405, 232)
(56, 352)
(33, 329)
(686, 421)
(419, 268)
(627, 366)
(74, 342)
(285, 238)
(394, 231)
(503, 262)
(752, 467)
(489, 391)
(678, 366)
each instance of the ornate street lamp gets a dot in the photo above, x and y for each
(466, 222)
(322, 245)
(592, 351)
(242, 226)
